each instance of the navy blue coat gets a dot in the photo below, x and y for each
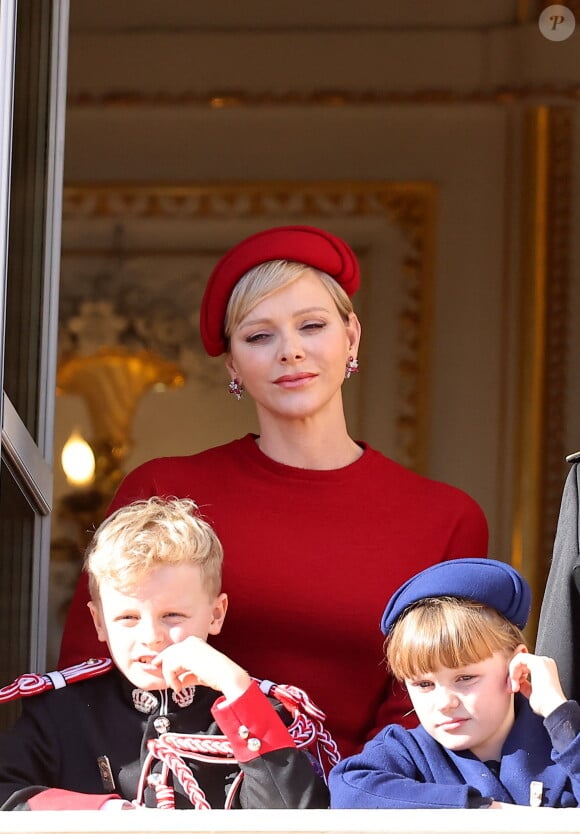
(408, 769)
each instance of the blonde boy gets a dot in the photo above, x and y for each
(155, 577)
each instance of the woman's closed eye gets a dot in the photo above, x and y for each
(254, 338)
(264, 335)
(312, 326)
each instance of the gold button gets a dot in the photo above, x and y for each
(243, 731)
(254, 744)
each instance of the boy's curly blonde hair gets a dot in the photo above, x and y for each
(152, 533)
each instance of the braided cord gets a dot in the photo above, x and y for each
(306, 729)
(167, 754)
(33, 684)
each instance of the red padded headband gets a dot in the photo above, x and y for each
(303, 244)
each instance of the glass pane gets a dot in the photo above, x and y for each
(16, 537)
(27, 209)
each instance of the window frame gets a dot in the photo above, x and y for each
(30, 459)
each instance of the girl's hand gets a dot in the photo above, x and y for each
(537, 678)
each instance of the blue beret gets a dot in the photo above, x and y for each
(493, 583)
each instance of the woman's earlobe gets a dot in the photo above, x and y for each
(354, 333)
(231, 368)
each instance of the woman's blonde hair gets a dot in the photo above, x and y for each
(152, 533)
(447, 631)
(263, 280)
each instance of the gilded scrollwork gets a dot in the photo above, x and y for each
(407, 206)
(544, 289)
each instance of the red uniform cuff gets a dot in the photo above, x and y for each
(55, 799)
(251, 724)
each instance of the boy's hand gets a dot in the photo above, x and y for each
(537, 678)
(193, 661)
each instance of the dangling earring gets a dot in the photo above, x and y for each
(351, 367)
(236, 388)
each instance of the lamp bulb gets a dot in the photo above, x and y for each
(78, 460)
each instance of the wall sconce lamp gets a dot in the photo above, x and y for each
(111, 382)
(78, 461)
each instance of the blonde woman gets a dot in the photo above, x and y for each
(315, 524)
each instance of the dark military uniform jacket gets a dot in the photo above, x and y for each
(77, 746)
(559, 626)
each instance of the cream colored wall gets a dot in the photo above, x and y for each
(465, 146)
(460, 149)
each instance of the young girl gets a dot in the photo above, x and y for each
(495, 726)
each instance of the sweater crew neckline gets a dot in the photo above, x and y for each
(254, 456)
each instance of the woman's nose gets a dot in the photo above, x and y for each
(291, 347)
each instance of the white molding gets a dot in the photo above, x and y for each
(520, 820)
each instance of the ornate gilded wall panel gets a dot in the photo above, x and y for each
(544, 288)
(116, 229)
